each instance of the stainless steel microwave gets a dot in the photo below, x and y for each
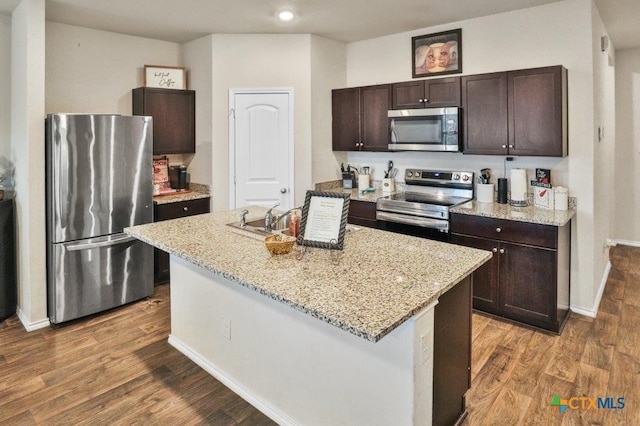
(424, 129)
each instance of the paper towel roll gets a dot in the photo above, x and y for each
(561, 198)
(363, 181)
(518, 186)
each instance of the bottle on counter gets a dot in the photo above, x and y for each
(294, 224)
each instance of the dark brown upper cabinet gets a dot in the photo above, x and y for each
(538, 112)
(359, 118)
(521, 112)
(174, 118)
(435, 93)
(484, 118)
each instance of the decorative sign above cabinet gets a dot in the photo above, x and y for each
(164, 77)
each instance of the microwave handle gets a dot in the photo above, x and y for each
(392, 128)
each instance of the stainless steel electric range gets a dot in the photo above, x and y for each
(423, 209)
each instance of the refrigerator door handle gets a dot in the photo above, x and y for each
(106, 243)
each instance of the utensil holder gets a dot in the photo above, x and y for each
(388, 185)
(484, 193)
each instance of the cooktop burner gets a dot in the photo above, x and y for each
(414, 197)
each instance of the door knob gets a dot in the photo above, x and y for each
(283, 190)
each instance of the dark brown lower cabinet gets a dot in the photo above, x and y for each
(452, 354)
(161, 272)
(362, 213)
(527, 280)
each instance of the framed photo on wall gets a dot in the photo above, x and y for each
(437, 54)
(165, 77)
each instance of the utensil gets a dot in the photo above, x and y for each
(365, 170)
(387, 173)
(485, 176)
(393, 173)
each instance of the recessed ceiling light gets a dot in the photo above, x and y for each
(285, 15)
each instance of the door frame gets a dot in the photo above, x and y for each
(232, 139)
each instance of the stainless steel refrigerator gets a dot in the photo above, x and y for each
(99, 181)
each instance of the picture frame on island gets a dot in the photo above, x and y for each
(324, 220)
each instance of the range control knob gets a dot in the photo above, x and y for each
(409, 173)
(465, 178)
(456, 177)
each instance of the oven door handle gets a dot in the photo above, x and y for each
(423, 222)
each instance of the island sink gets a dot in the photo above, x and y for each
(256, 226)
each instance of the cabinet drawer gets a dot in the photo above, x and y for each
(181, 209)
(362, 209)
(505, 230)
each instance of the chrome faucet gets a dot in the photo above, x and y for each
(243, 218)
(282, 216)
(269, 219)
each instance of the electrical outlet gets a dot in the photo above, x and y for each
(226, 328)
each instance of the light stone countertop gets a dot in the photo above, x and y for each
(376, 283)
(528, 214)
(197, 191)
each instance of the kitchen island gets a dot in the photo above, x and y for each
(337, 337)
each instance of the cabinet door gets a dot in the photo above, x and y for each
(345, 112)
(485, 126)
(442, 92)
(436, 93)
(537, 112)
(408, 95)
(174, 118)
(362, 213)
(375, 102)
(527, 284)
(485, 278)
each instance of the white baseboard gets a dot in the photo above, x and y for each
(256, 401)
(32, 326)
(593, 312)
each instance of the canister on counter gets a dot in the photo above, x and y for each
(561, 198)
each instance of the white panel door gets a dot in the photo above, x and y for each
(262, 149)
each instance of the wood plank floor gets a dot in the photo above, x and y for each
(117, 368)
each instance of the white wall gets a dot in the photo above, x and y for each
(5, 81)
(197, 58)
(328, 71)
(27, 136)
(260, 61)
(555, 34)
(93, 71)
(604, 149)
(627, 152)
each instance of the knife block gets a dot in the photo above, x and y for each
(349, 180)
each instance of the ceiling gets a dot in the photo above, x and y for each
(343, 20)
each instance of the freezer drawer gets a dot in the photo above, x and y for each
(96, 274)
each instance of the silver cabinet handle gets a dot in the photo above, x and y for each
(501, 251)
(185, 209)
(495, 250)
(283, 190)
(504, 146)
(510, 146)
(421, 100)
(498, 229)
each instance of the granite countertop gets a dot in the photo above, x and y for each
(366, 289)
(196, 191)
(495, 210)
(528, 214)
